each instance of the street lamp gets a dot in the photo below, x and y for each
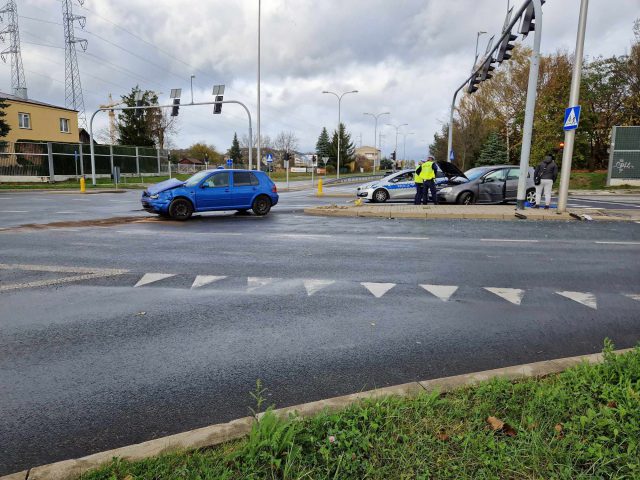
(404, 145)
(192, 77)
(375, 136)
(339, 97)
(397, 127)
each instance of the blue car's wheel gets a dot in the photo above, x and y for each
(261, 205)
(180, 209)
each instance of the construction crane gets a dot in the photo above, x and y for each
(112, 118)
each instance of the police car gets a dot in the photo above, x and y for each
(400, 185)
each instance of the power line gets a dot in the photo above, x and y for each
(40, 20)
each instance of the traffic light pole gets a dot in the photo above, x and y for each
(527, 130)
(147, 107)
(570, 135)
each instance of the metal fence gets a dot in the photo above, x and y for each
(624, 156)
(48, 161)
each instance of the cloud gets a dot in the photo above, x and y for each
(405, 57)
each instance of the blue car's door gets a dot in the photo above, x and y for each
(214, 192)
(244, 188)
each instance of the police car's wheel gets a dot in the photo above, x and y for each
(466, 198)
(531, 196)
(261, 205)
(180, 209)
(380, 196)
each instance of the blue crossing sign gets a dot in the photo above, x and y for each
(269, 158)
(229, 162)
(571, 118)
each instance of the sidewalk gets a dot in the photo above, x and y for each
(469, 212)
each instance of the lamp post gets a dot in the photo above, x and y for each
(404, 146)
(339, 97)
(375, 135)
(192, 77)
(259, 159)
(397, 127)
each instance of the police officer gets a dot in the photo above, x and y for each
(428, 175)
(418, 181)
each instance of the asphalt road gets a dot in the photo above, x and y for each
(314, 307)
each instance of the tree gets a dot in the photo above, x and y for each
(386, 164)
(286, 142)
(136, 129)
(347, 148)
(202, 151)
(4, 126)
(493, 151)
(323, 145)
(162, 126)
(234, 152)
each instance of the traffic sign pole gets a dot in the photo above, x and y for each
(570, 135)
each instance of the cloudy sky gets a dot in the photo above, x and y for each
(404, 56)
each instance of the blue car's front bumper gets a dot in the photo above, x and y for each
(155, 205)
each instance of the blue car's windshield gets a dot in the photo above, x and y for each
(197, 178)
(475, 173)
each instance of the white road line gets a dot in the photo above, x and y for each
(301, 235)
(443, 292)
(202, 280)
(57, 268)
(513, 295)
(515, 240)
(607, 202)
(313, 285)
(403, 238)
(378, 289)
(633, 296)
(57, 281)
(618, 243)
(15, 211)
(258, 282)
(148, 278)
(585, 298)
(151, 232)
(67, 212)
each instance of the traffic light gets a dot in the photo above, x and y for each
(504, 52)
(528, 19)
(473, 84)
(217, 108)
(139, 111)
(314, 160)
(393, 156)
(176, 107)
(487, 68)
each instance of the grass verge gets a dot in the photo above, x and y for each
(582, 423)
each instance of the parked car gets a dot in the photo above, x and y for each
(489, 184)
(400, 185)
(212, 190)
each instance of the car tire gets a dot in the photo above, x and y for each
(380, 196)
(465, 198)
(261, 205)
(531, 196)
(180, 209)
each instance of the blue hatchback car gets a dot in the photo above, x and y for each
(212, 190)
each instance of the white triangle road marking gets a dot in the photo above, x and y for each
(148, 278)
(513, 295)
(633, 296)
(443, 292)
(378, 289)
(585, 298)
(313, 285)
(258, 282)
(202, 280)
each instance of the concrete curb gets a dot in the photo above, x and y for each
(225, 432)
(70, 191)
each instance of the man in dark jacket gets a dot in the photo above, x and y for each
(546, 172)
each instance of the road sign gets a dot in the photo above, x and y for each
(571, 118)
(229, 162)
(452, 157)
(269, 158)
(325, 160)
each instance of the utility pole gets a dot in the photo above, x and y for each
(73, 86)
(574, 96)
(339, 97)
(18, 82)
(259, 159)
(375, 136)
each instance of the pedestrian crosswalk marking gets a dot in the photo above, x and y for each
(313, 285)
(513, 295)
(443, 292)
(378, 289)
(202, 280)
(585, 298)
(148, 278)
(633, 296)
(258, 282)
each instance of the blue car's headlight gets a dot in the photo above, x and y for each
(154, 197)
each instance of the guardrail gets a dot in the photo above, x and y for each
(355, 179)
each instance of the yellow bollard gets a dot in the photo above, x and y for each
(319, 187)
(83, 185)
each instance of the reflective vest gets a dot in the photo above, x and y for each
(427, 171)
(416, 175)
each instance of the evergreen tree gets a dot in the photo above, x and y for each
(136, 129)
(493, 152)
(4, 126)
(234, 152)
(323, 145)
(347, 148)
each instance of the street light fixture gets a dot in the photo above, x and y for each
(375, 136)
(397, 127)
(339, 97)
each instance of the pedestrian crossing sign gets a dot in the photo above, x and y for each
(571, 118)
